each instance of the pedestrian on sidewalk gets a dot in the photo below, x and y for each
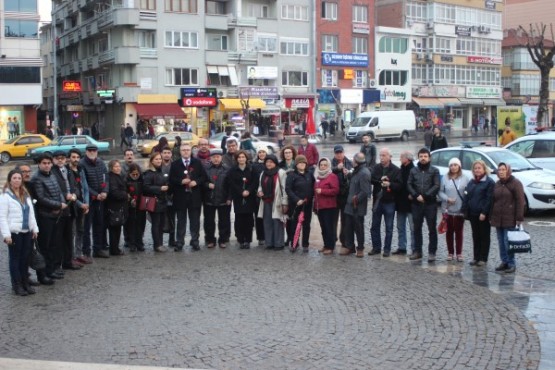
(438, 140)
(369, 151)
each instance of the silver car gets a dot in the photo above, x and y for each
(537, 148)
(216, 142)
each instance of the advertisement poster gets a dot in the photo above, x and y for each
(10, 118)
(530, 113)
(516, 117)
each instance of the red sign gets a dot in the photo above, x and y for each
(483, 60)
(298, 102)
(74, 86)
(199, 102)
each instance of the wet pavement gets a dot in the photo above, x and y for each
(232, 309)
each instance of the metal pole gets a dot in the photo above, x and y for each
(55, 65)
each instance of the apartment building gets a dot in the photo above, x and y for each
(134, 60)
(20, 66)
(456, 56)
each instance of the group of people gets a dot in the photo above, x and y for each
(76, 208)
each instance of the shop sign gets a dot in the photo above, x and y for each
(262, 72)
(489, 4)
(347, 60)
(440, 92)
(483, 60)
(193, 92)
(447, 58)
(351, 96)
(200, 102)
(73, 86)
(463, 30)
(393, 95)
(74, 108)
(267, 92)
(348, 74)
(105, 93)
(295, 103)
(481, 92)
(361, 28)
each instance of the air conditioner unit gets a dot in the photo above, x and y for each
(372, 83)
(487, 30)
(429, 56)
(419, 56)
(409, 23)
(222, 94)
(430, 25)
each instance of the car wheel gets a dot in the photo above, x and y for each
(352, 141)
(405, 136)
(5, 157)
(527, 210)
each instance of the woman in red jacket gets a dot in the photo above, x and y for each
(326, 189)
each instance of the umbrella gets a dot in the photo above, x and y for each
(300, 219)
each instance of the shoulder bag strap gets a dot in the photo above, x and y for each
(457, 189)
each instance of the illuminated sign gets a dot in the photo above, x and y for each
(483, 60)
(347, 60)
(192, 92)
(73, 86)
(199, 102)
(106, 93)
(348, 74)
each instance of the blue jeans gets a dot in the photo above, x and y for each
(94, 226)
(503, 240)
(19, 251)
(402, 218)
(387, 210)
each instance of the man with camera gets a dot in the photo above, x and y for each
(386, 179)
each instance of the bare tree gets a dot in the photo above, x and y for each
(542, 56)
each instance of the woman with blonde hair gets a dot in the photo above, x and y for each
(476, 207)
(451, 191)
(18, 227)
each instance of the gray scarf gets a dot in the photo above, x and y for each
(319, 174)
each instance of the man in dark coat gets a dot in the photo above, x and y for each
(216, 200)
(369, 151)
(403, 205)
(187, 177)
(341, 166)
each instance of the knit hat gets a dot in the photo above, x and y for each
(272, 158)
(301, 159)
(261, 148)
(216, 152)
(455, 160)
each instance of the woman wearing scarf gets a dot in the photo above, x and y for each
(274, 202)
(326, 189)
(476, 206)
(155, 184)
(258, 165)
(507, 212)
(242, 182)
(300, 191)
(288, 155)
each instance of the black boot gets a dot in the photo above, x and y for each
(27, 287)
(43, 279)
(18, 289)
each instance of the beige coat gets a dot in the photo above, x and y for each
(280, 197)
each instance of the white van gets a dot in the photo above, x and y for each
(383, 125)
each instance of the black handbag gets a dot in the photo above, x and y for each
(36, 260)
(116, 217)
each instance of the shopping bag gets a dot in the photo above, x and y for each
(442, 227)
(519, 241)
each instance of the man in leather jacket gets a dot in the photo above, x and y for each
(423, 187)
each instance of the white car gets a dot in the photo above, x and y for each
(537, 148)
(216, 141)
(539, 184)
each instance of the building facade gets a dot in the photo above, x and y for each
(20, 67)
(456, 56)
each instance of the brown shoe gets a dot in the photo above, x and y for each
(345, 251)
(327, 252)
(210, 245)
(322, 250)
(360, 253)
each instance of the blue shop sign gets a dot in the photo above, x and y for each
(346, 60)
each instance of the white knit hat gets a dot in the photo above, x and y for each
(456, 161)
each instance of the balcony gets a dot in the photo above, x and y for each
(128, 93)
(120, 55)
(216, 22)
(524, 66)
(243, 57)
(217, 57)
(241, 21)
(118, 17)
(151, 53)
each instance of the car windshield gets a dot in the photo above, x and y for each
(516, 161)
(360, 121)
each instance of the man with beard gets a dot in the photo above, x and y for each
(170, 225)
(341, 166)
(216, 200)
(403, 205)
(128, 159)
(369, 151)
(81, 206)
(203, 153)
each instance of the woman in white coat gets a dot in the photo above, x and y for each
(18, 227)
(273, 203)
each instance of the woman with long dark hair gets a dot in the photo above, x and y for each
(115, 208)
(136, 220)
(155, 184)
(300, 191)
(18, 227)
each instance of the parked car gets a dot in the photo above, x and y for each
(144, 147)
(66, 143)
(537, 148)
(18, 147)
(216, 141)
(539, 184)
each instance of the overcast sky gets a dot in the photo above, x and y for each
(45, 7)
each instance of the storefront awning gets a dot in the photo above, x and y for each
(159, 111)
(450, 102)
(494, 102)
(235, 104)
(466, 101)
(428, 103)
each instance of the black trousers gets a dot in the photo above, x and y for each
(244, 222)
(428, 211)
(481, 237)
(171, 216)
(224, 223)
(259, 225)
(135, 228)
(114, 233)
(339, 214)
(157, 228)
(327, 218)
(294, 217)
(354, 227)
(48, 245)
(194, 225)
(64, 229)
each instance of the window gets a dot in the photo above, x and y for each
(393, 45)
(67, 141)
(81, 140)
(360, 79)
(294, 12)
(148, 4)
(445, 13)
(35, 140)
(360, 14)
(329, 11)
(215, 7)
(294, 47)
(218, 75)
(181, 6)
(481, 47)
(329, 43)
(267, 43)
(417, 11)
(441, 159)
(147, 39)
(20, 75)
(258, 10)
(22, 6)
(329, 78)
(294, 78)
(177, 39)
(216, 42)
(182, 76)
(18, 28)
(360, 45)
(393, 78)
(245, 39)
(443, 45)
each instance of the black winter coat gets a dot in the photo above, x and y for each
(478, 197)
(96, 174)
(153, 182)
(57, 173)
(403, 204)
(438, 142)
(394, 174)
(182, 198)
(424, 180)
(48, 194)
(219, 195)
(236, 186)
(343, 180)
(117, 194)
(299, 187)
